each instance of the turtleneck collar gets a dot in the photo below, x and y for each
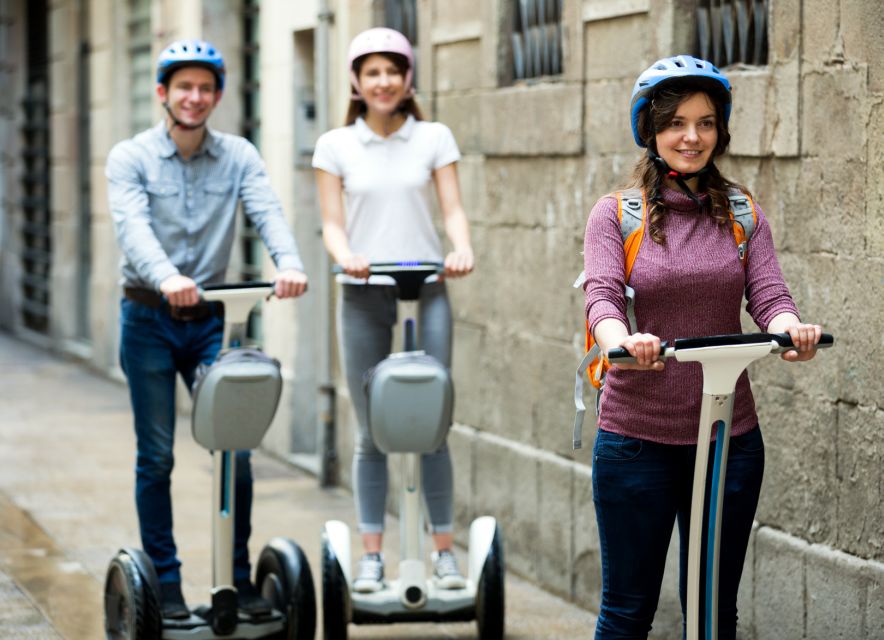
(679, 202)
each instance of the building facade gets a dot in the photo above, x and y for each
(537, 95)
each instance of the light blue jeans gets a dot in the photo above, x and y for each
(366, 320)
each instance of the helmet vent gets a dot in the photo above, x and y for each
(679, 63)
(660, 67)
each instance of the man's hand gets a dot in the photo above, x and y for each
(180, 291)
(290, 283)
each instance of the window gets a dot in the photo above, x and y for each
(732, 31)
(402, 16)
(141, 76)
(536, 38)
(250, 242)
(36, 228)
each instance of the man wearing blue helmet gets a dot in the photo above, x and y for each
(672, 239)
(173, 192)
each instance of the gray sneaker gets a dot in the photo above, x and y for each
(446, 572)
(370, 574)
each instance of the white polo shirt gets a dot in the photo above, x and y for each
(388, 186)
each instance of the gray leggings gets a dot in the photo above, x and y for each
(366, 319)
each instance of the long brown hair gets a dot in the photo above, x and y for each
(358, 108)
(649, 177)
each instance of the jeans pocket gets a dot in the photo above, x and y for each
(614, 447)
(749, 442)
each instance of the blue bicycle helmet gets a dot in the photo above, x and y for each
(674, 68)
(188, 53)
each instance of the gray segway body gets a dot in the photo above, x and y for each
(235, 399)
(410, 398)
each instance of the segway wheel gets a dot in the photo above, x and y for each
(131, 608)
(490, 592)
(335, 612)
(283, 575)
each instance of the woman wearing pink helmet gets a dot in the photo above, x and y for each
(374, 176)
(689, 278)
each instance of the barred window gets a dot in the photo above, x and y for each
(536, 38)
(250, 242)
(732, 31)
(141, 66)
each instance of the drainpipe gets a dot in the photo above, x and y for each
(328, 463)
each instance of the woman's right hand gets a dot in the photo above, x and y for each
(355, 266)
(645, 348)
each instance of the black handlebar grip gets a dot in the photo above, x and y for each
(621, 355)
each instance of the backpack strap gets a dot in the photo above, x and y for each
(742, 212)
(632, 213)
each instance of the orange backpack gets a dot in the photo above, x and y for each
(632, 210)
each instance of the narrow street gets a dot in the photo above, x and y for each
(66, 506)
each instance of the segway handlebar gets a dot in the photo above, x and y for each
(409, 275)
(254, 284)
(391, 268)
(780, 343)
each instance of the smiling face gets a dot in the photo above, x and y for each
(381, 84)
(191, 95)
(688, 141)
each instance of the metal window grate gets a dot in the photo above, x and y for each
(36, 224)
(141, 66)
(36, 253)
(84, 177)
(732, 31)
(537, 38)
(250, 242)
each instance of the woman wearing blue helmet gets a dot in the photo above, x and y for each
(689, 279)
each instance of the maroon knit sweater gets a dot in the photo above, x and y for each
(692, 286)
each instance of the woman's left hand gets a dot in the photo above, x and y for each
(459, 263)
(804, 337)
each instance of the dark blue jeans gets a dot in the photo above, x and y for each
(640, 489)
(154, 348)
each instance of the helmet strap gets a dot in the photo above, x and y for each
(177, 123)
(680, 178)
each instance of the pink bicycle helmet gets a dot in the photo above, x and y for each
(380, 40)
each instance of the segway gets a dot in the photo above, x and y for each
(234, 401)
(410, 399)
(723, 359)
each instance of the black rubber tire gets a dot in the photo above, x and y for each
(490, 596)
(284, 578)
(335, 598)
(131, 608)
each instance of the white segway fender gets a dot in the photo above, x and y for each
(338, 535)
(481, 536)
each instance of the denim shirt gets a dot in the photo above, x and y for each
(175, 216)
